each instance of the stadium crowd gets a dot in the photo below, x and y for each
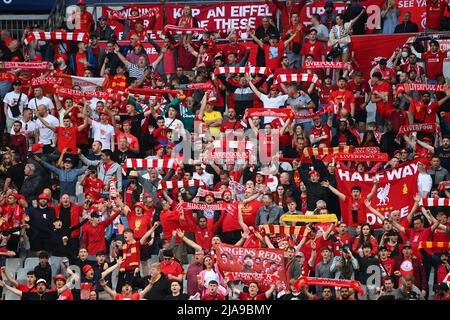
(103, 227)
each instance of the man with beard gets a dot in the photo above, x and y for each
(41, 224)
(232, 123)
(344, 137)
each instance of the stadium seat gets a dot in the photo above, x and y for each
(114, 278)
(154, 258)
(30, 263)
(12, 265)
(22, 275)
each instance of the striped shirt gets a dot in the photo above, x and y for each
(135, 71)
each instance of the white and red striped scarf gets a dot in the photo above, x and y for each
(67, 92)
(25, 65)
(324, 65)
(435, 202)
(231, 144)
(308, 152)
(203, 192)
(423, 127)
(46, 81)
(377, 157)
(150, 163)
(183, 30)
(421, 87)
(180, 184)
(226, 155)
(203, 206)
(237, 187)
(300, 77)
(57, 35)
(251, 70)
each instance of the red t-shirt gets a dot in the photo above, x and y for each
(94, 186)
(79, 58)
(345, 239)
(358, 89)
(134, 296)
(209, 297)
(388, 268)
(67, 138)
(86, 21)
(388, 74)
(273, 55)
(66, 295)
(25, 288)
(318, 132)
(435, 11)
(250, 211)
(406, 67)
(139, 224)
(423, 113)
(415, 237)
(315, 49)
(231, 125)
(230, 222)
(357, 205)
(342, 98)
(382, 106)
(246, 296)
(434, 62)
(173, 268)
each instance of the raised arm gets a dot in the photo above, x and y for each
(11, 280)
(326, 184)
(150, 232)
(45, 123)
(189, 242)
(112, 268)
(286, 42)
(252, 35)
(374, 189)
(252, 86)
(108, 290)
(13, 290)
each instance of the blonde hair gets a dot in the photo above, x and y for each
(156, 265)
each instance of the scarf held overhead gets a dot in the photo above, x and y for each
(309, 218)
(308, 152)
(150, 163)
(57, 35)
(305, 281)
(202, 206)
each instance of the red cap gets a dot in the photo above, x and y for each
(159, 146)
(15, 59)
(81, 2)
(60, 277)
(36, 147)
(274, 86)
(87, 268)
(313, 172)
(101, 200)
(146, 195)
(139, 205)
(37, 57)
(44, 196)
(171, 145)
(209, 194)
(427, 139)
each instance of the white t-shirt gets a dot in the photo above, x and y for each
(425, 183)
(35, 102)
(103, 133)
(11, 98)
(172, 123)
(207, 178)
(46, 135)
(273, 103)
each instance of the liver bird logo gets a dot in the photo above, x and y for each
(383, 195)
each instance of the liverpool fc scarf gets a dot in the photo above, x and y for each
(25, 65)
(324, 65)
(305, 281)
(300, 77)
(183, 30)
(423, 127)
(202, 206)
(434, 245)
(308, 152)
(378, 157)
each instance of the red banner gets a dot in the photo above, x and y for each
(372, 48)
(395, 190)
(252, 264)
(373, 8)
(146, 12)
(223, 16)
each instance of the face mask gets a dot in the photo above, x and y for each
(404, 54)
